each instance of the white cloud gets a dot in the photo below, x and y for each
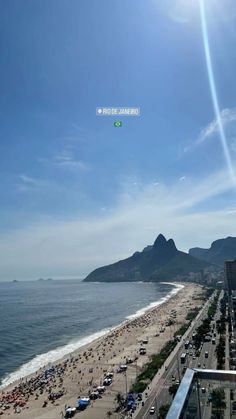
(27, 183)
(76, 247)
(228, 119)
(28, 180)
(72, 164)
(76, 135)
(65, 160)
(227, 116)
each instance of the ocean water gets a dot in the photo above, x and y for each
(42, 321)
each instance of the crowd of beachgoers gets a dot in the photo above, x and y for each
(77, 376)
(42, 383)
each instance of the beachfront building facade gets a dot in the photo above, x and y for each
(230, 275)
(230, 285)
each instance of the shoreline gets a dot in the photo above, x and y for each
(80, 372)
(33, 366)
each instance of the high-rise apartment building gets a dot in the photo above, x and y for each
(230, 275)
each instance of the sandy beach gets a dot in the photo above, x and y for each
(78, 374)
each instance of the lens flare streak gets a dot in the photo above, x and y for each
(214, 92)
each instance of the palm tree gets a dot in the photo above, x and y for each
(173, 389)
(164, 408)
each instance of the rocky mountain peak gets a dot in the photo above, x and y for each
(160, 241)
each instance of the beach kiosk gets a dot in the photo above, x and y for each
(82, 403)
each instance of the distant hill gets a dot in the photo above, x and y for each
(219, 251)
(162, 261)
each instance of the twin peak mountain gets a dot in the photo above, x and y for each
(159, 262)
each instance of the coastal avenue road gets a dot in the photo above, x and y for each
(158, 392)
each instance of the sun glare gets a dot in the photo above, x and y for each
(213, 91)
(180, 11)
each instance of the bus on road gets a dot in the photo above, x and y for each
(183, 358)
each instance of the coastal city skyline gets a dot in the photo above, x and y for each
(79, 192)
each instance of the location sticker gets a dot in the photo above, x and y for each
(117, 124)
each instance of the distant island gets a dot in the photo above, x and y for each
(43, 279)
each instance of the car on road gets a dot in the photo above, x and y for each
(152, 410)
(203, 390)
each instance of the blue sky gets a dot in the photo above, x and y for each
(77, 192)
